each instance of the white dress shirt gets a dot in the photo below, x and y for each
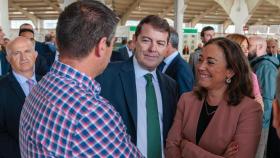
(129, 52)
(168, 60)
(141, 106)
(22, 82)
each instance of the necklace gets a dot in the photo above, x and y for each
(206, 108)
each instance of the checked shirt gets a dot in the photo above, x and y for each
(64, 116)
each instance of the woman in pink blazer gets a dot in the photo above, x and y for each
(219, 118)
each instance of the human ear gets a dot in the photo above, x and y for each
(101, 47)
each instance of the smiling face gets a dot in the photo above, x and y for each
(150, 47)
(212, 68)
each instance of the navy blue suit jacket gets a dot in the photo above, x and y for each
(44, 51)
(181, 72)
(120, 55)
(12, 99)
(118, 86)
(5, 66)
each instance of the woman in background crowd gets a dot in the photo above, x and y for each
(244, 44)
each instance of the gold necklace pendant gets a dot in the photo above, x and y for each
(206, 108)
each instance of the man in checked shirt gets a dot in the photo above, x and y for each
(65, 116)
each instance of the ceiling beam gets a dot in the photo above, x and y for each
(131, 7)
(167, 10)
(226, 4)
(267, 18)
(54, 6)
(253, 5)
(30, 16)
(195, 20)
(274, 2)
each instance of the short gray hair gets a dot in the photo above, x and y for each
(174, 39)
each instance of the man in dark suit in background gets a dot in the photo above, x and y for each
(15, 86)
(42, 49)
(138, 90)
(124, 52)
(41, 66)
(175, 66)
(4, 65)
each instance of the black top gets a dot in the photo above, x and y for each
(205, 117)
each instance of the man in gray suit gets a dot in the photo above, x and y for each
(206, 34)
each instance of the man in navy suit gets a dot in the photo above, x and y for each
(125, 83)
(175, 66)
(15, 86)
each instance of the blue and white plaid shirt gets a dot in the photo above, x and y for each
(64, 116)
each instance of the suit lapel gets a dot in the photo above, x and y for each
(128, 81)
(15, 86)
(126, 53)
(165, 101)
(171, 67)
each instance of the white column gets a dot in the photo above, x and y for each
(179, 17)
(239, 14)
(4, 17)
(65, 3)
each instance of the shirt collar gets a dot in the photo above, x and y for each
(169, 59)
(21, 79)
(72, 74)
(140, 72)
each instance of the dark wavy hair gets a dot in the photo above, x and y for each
(82, 25)
(241, 82)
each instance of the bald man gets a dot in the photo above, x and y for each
(15, 86)
(265, 67)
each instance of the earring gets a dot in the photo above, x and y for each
(228, 80)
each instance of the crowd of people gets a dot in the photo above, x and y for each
(141, 100)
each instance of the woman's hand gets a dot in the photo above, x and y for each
(231, 150)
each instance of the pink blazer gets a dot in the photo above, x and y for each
(241, 123)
